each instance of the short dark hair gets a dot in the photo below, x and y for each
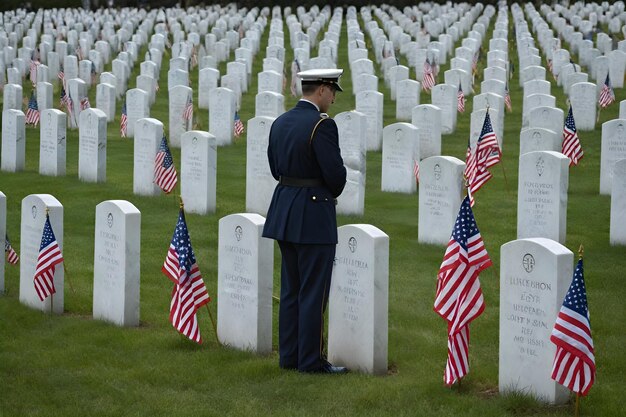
(309, 88)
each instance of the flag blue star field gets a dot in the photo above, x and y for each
(189, 292)
(459, 298)
(574, 362)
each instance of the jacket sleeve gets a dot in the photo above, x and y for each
(270, 157)
(325, 144)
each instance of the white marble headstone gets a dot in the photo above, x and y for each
(370, 103)
(352, 127)
(260, 183)
(137, 107)
(440, 196)
(92, 146)
(52, 142)
(539, 139)
(542, 195)
(116, 268)
(13, 157)
(613, 149)
(32, 223)
(198, 171)
(105, 100)
(148, 135)
(583, 98)
(407, 97)
(221, 115)
(359, 300)
(400, 151)
(618, 204)
(178, 98)
(427, 118)
(244, 283)
(534, 277)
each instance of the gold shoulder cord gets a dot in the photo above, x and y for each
(315, 128)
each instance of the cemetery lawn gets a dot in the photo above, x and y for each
(72, 365)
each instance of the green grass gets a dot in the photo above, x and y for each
(72, 365)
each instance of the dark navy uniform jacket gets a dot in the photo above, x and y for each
(304, 214)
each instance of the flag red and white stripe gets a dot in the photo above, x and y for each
(124, 121)
(571, 143)
(607, 96)
(49, 257)
(459, 298)
(484, 155)
(165, 175)
(460, 100)
(238, 125)
(11, 255)
(574, 362)
(416, 171)
(429, 76)
(189, 292)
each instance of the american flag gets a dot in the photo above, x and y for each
(416, 171)
(550, 68)
(507, 98)
(165, 175)
(123, 121)
(84, 103)
(574, 362)
(12, 257)
(429, 76)
(61, 76)
(607, 96)
(33, 71)
(459, 298)
(79, 53)
(189, 292)
(487, 148)
(49, 257)
(238, 125)
(295, 69)
(32, 113)
(460, 100)
(571, 143)
(484, 155)
(188, 112)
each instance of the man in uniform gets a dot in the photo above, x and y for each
(304, 157)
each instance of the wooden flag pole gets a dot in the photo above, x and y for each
(576, 410)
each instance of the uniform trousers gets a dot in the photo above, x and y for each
(305, 283)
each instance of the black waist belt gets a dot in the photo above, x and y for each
(300, 182)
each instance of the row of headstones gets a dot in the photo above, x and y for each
(565, 73)
(600, 60)
(538, 268)
(358, 302)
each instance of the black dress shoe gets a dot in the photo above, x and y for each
(327, 368)
(330, 369)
